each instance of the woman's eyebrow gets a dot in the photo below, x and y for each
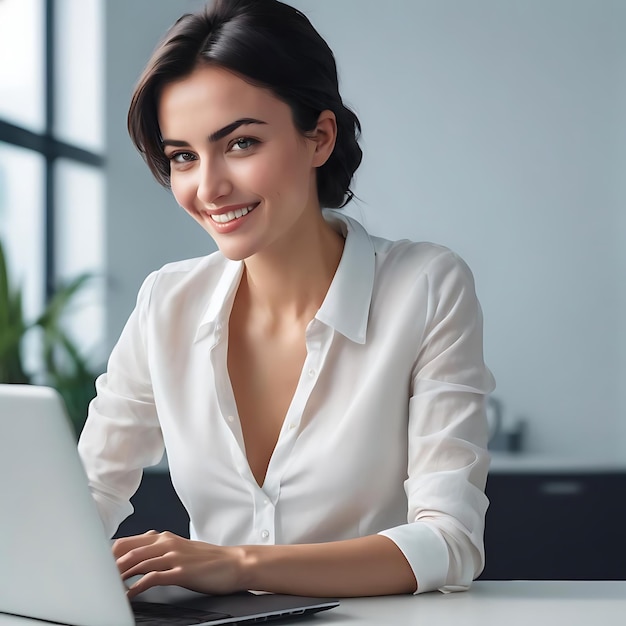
(228, 129)
(218, 134)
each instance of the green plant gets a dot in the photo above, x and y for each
(12, 328)
(64, 367)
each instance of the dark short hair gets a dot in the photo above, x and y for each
(269, 44)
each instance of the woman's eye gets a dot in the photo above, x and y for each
(242, 143)
(182, 157)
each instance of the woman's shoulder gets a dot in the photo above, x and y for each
(187, 277)
(405, 262)
(415, 258)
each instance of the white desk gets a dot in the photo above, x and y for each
(500, 603)
(493, 603)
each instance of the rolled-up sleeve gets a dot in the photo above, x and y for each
(122, 434)
(448, 459)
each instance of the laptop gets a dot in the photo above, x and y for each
(56, 562)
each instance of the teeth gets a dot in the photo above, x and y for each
(224, 218)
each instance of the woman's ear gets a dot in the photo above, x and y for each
(324, 136)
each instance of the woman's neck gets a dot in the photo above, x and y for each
(289, 282)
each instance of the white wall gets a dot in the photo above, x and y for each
(495, 127)
(145, 227)
(620, 204)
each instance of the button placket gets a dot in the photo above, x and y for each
(226, 400)
(307, 382)
(264, 521)
(317, 344)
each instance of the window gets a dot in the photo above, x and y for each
(51, 152)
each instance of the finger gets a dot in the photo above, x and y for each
(153, 545)
(125, 544)
(136, 557)
(158, 563)
(153, 579)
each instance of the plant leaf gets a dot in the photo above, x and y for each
(12, 328)
(60, 300)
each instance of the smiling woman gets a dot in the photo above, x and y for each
(320, 392)
(258, 188)
(306, 81)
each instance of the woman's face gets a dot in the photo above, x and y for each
(238, 165)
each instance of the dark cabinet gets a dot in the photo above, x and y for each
(157, 507)
(556, 526)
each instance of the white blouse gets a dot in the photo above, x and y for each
(386, 432)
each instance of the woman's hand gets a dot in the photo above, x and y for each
(367, 566)
(167, 559)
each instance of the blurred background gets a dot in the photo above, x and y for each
(494, 127)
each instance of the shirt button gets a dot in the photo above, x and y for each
(292, 426)
(231, 418)
(265, 534)
(311, 372)
(266, 501)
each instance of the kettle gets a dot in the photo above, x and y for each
(494, 418)
(509, 439)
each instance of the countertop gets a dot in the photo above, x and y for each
(528, 463)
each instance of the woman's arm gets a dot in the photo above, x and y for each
(366, 566)
(122, 434)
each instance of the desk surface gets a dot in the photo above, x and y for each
(514, 603)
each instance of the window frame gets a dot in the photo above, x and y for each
(49, 147)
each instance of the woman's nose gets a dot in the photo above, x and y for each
(214, 182)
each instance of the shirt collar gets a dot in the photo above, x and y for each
(220, 304)
(347, 303)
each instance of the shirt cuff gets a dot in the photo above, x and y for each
(111, 512)
(425, 550)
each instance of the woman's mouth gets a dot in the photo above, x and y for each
(224, 218)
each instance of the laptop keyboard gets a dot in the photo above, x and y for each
(155, 614)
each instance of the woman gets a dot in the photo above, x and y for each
(320, 392)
